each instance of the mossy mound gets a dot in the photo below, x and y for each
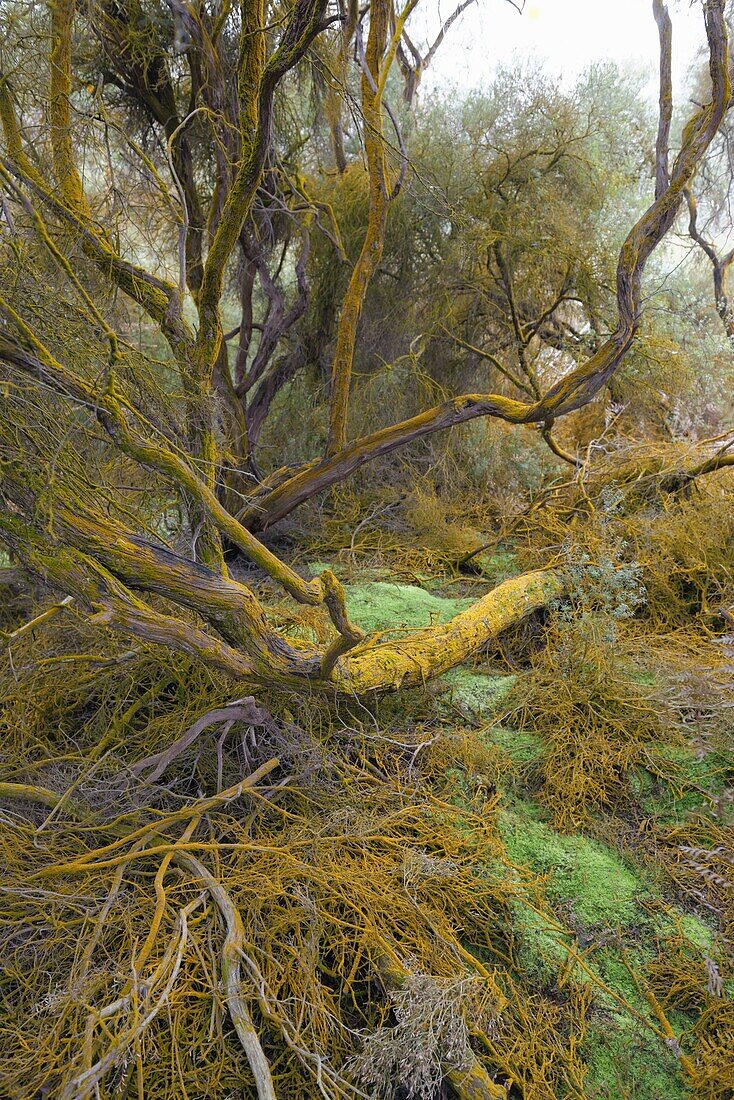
(477, 694)
(608, 915)
(625, 1062)
(593, 882)
(385, 605)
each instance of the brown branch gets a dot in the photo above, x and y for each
(490, 358)
(111, 602)
(720, 265)
(303, 26)
(412, 73)
(665, 32)
(428, 58)
(244, 710)
(556, 448)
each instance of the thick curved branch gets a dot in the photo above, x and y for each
(112, 604)
(425, 654)
(578, 387)
(409, 661)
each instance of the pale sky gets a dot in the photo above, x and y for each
(568, 34)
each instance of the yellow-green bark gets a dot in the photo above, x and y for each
(374, 239)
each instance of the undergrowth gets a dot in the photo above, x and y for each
(517, 881)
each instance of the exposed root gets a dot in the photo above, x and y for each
(231, 977)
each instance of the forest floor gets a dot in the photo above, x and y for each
(515, 881)
(611, 900)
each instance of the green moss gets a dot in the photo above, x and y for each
(627, 1062)
(623, 1057)
(591, 890)
(592, 880)
(382, 605)
(478, 694)
(525, 749)
(697, 932)
(496, 566)
(542, 955)
(316, 568)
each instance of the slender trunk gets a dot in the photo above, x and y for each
(372, 246)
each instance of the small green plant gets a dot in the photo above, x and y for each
(602, 590)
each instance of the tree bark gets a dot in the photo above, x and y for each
(372, 246)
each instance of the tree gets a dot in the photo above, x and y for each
(205, 212)
(65, 518)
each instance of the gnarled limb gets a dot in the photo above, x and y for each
(244, 710)
(665, 116)
(264, 657)
(578, 387)
(423, 655)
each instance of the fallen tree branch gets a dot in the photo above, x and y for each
(425, 654)
(231, 977)
(244, 710)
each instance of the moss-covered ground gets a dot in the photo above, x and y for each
(419, 853)
(613, 910)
